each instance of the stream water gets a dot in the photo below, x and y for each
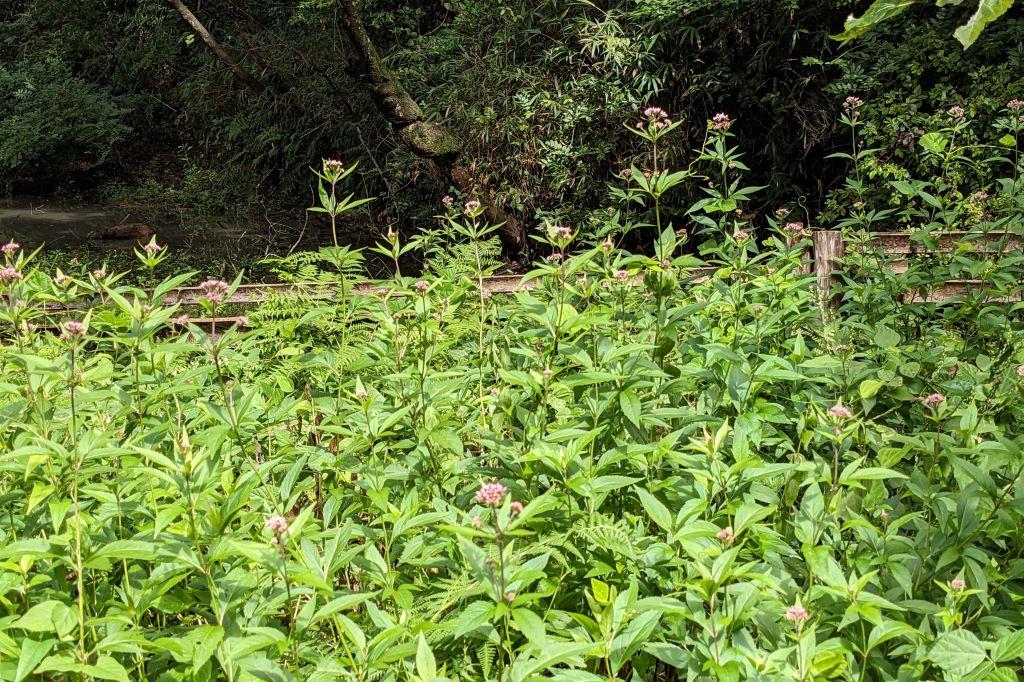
(196, 240)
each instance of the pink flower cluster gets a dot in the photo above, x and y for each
(852, 103)
(840, 412)
(562, 233)
(490, 494)
(656, 117)
(1015, 104)
(797, 614)
(721, 121)
(421, 286)
(957, 584)
(214, 290)
(957, 112)
(73, 330)
(277, 524)
(1020, 370)
(726, 535)
(333, 166)
(933, 399)
(471, 207)
(10, 275)
(10, 248)
(793, 228)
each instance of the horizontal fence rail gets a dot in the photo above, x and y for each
(828, 249)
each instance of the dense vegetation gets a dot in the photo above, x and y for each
(124, 101)
(637, 469)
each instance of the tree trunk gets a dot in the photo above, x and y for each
(428, 140)
(215, 47)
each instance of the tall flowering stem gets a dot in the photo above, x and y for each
(72, 333)
(493, 495)
(332, 172)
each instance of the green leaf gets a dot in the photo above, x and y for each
(107, 668)
(122, 549)
(750, 513)
(957, 652)
(630, 404)
(341, 603)
(630, 640)
(1008, 140)
(531, 625)
(32, 652)
(987, 12)
(1009, 647)
(880, 11)
(1002, 675)
(446, 439)
(472, 617)
(525, 667)
(603, 484)
(426, 666)
(885, 337)
(672, 654)
(47, 616)
(934, 142)
(869, 388)
(872, 474)
(654, 507)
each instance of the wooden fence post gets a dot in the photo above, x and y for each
(806, 258)
(828, 251)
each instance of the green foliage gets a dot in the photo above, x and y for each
(636, 468)
(883, 10)
(48, 116)
(908, 90)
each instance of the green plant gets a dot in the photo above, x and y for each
(636, 467)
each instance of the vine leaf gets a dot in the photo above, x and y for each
(882, 10)
(879, 11)
(987, 12)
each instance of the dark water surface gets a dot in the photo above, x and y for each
(204, 242)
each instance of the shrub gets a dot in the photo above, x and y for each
(638, 468)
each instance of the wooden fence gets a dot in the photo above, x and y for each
(826, 255)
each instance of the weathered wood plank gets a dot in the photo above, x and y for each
(900, 243)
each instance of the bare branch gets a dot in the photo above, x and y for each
(215, 47)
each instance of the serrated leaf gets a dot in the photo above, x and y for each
(426, 666)
(531, 625)
(957, 652)
(655, 509)
(630, 405)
